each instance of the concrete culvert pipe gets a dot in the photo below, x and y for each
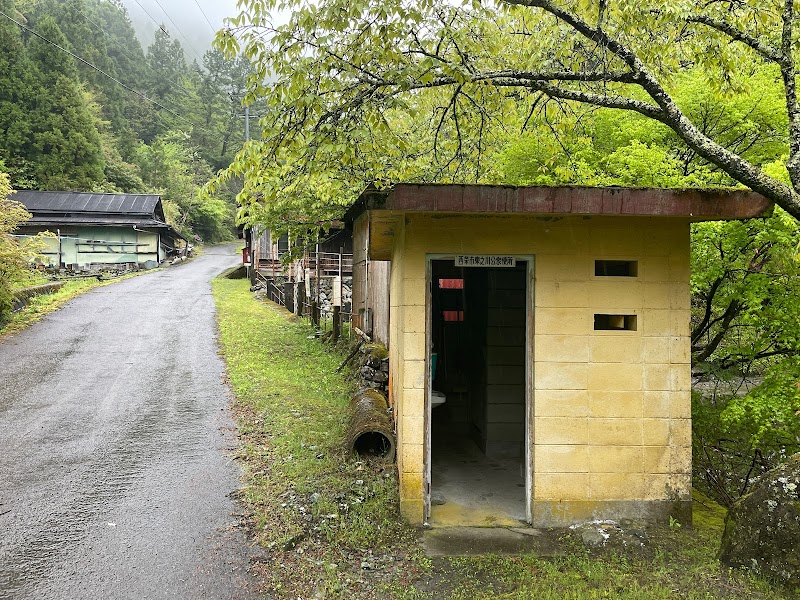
(371, 430)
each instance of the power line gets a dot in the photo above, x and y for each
(102, 31)
(114, 79)
(214, 31)
(175, 25)
(161, 27)
(151, 17)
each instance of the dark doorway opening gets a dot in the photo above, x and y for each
(478, 393)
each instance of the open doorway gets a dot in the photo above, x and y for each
(478, 392)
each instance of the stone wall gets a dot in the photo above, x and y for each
(326, 294)
(372, 367)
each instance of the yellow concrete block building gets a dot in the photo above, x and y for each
(539, 347)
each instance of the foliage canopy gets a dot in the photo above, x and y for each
(81, 103)
(362, 91)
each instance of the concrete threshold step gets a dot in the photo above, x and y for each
(468, 541)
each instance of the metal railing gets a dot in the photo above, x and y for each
(274, 291)
(318, 265)
(340, 326)
(330, 263)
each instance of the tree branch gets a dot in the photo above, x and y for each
(735, 34)
(701, 328)
(507, 74)
(737, 167)
(789, 75)
(733, 310)
(604, 100)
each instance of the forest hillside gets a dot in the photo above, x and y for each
(84, 107)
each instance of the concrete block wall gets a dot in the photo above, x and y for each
(407, 351)
(610, 409)
(612, 429)
(505, 357)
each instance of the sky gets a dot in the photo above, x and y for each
(189, 22)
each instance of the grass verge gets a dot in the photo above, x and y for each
(322, 517)
(31, 277)
(328, 524)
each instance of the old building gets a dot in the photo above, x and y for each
(322, 266)
(539, 346)
(100, 229)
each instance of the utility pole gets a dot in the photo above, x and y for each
(251, 236)
(247, 116)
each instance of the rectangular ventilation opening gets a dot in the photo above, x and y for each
(614, 322)
(616, 268)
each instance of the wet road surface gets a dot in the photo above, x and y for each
(115, 474)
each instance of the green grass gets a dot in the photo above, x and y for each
(676, 563)
(32, 277)
(290, 408)
(311, 500)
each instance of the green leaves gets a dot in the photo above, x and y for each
(15, 253)
(341, 75)
(770, 413)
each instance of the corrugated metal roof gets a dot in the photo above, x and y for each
(89, 202)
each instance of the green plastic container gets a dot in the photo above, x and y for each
(434, 359)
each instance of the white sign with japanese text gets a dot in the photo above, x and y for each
(485, 260)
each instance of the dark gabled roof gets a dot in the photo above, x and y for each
(89, 202)
(54, 209)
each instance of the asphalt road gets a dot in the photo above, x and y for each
(115, 435)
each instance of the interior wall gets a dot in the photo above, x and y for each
(481, 360)
(476, 285)
(457, 344)
(504, 353)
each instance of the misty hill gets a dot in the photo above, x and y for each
(183, 20)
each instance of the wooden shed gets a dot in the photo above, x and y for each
(99, 228)
(539, 346)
